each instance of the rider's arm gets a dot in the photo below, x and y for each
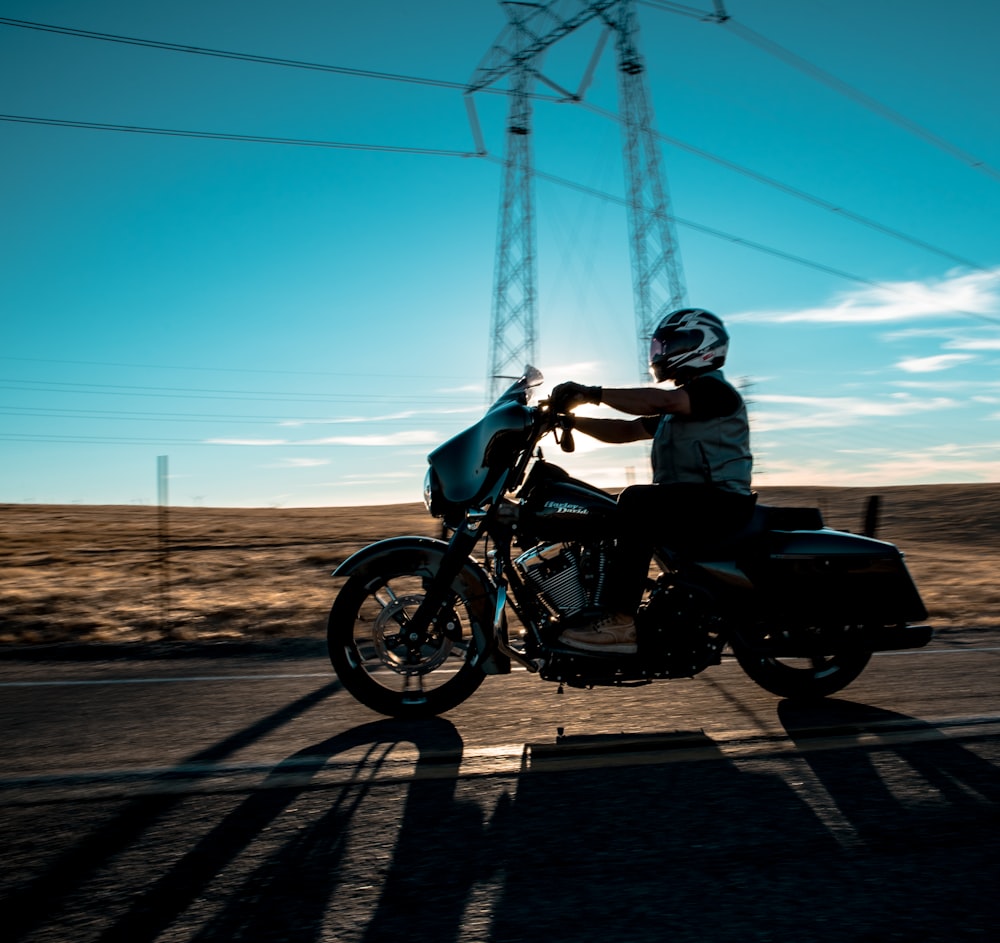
(612, 430)
(638, 401)
(646, 401)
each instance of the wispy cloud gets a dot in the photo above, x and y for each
(934, 363)
(387, 417)
(414, 437)
(347, 420)
(405, 474)
(948, 463)
(958, 293)
(269, 443)
(810, 412)
(974, 343)
(954, 464)
(952, 336)
(951, 385)
(299, 463)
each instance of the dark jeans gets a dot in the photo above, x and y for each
(680, 516)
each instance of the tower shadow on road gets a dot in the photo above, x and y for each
(36, 903)
(286, 897)
(868, 780)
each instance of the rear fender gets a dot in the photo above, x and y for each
(422, 556)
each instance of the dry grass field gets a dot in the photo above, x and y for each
(99, 574)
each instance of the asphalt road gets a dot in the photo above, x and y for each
(246, 797)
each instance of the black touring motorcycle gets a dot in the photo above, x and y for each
(420, 622)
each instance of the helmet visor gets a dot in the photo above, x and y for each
(674, 344)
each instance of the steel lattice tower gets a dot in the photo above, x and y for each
(658, 284)
(657, 279)
(514, 320)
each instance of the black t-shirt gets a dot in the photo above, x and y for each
(711, 398)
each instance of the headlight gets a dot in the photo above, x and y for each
(429, 483)
(437, 504)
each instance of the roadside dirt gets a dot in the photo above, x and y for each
(109, 574)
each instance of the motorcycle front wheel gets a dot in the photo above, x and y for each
(815, 676)
(387, 666)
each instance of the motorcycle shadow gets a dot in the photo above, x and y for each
(627, 838)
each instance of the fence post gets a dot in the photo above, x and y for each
(163, 504)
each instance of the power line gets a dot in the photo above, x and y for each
(66, 412)
(108, 440)
(684, 10)
(439, 152)
(691, 224)
(420, 419)
(739, 240)
(792, 191)
(247, 57)
(665, 5)
(69, 439)
(45, 412)
(228, 54)
(107, 389)
(797, 193)
(160, 366)
(859, 97)
(708, 230)
(246, 138)
(749, 243)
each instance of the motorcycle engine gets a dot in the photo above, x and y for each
(567, 577)
(679, 631)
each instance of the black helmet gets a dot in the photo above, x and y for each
(686, 344)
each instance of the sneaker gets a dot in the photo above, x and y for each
(613, 633)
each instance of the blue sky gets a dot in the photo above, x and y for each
(299, 325)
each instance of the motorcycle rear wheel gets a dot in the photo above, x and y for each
(802, 678)
(388, 669)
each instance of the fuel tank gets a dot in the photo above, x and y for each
(558, 507)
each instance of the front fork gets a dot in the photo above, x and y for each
(437, 594)
(501, 581)
(438, 591)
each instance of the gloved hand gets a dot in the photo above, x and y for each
(569, 395)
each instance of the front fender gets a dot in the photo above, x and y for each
(360, 561)
(422, 556)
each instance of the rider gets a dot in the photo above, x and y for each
(700, 454)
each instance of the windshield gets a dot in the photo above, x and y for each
(520, 390)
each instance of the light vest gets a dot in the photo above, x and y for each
(714, 452)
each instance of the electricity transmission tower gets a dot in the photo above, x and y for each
(657, 278)
(514, 321)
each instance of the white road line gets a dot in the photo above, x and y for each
(169, 680)
(404, 762)
(329, 674)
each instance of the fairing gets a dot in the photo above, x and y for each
(470, 465)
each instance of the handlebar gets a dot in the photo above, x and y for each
(557, 424)
(566, 441)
